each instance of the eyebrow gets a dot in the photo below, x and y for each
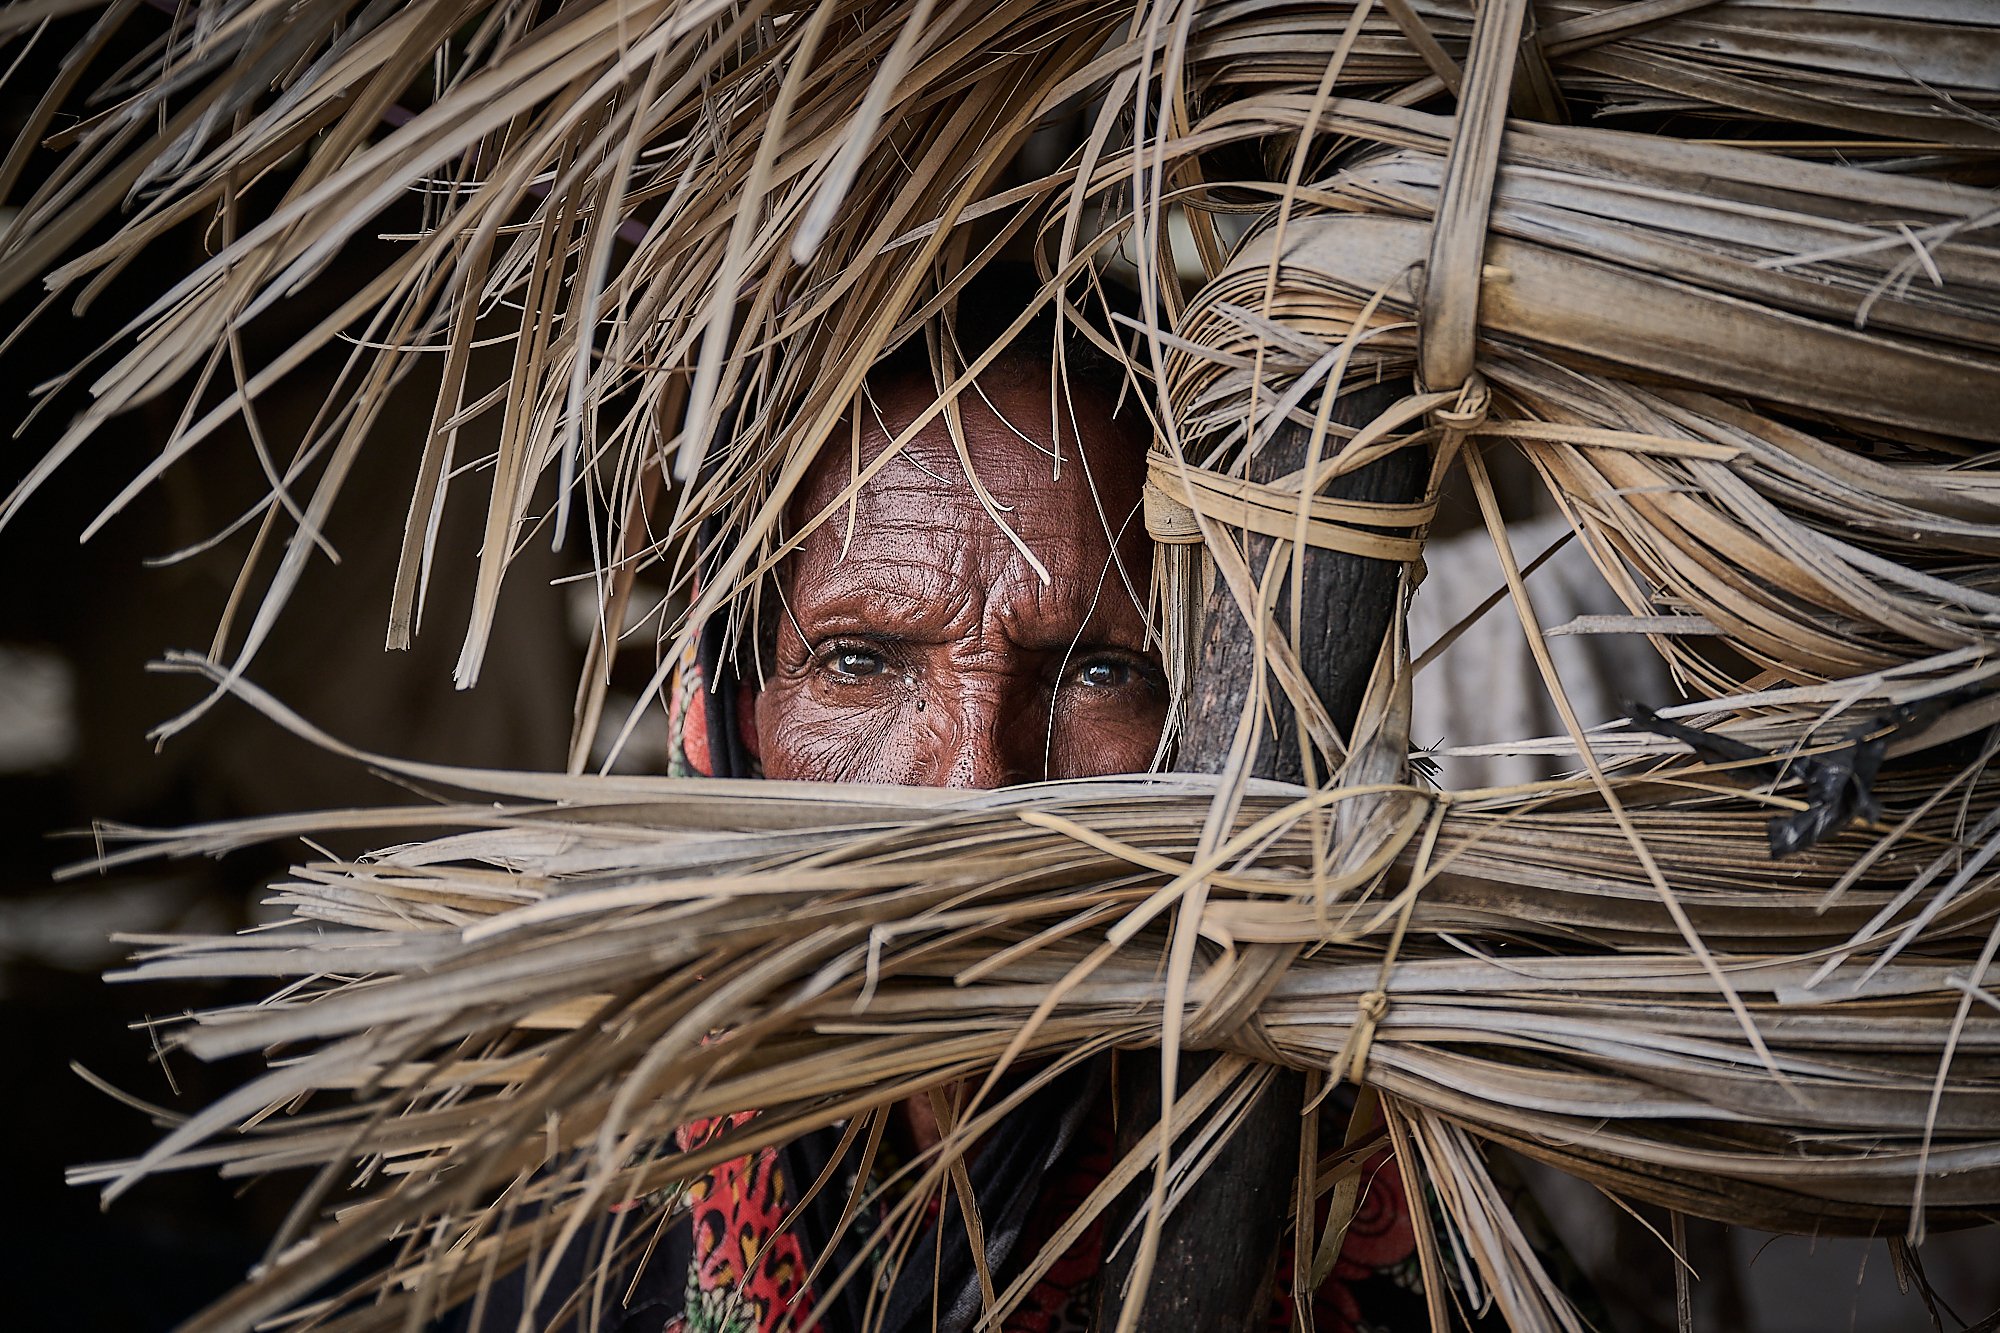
(868, 605)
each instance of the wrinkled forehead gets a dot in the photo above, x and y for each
(1028, 439)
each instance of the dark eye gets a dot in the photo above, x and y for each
(1109, 673)
(854, 661)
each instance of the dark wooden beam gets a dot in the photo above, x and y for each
(1218, 1250)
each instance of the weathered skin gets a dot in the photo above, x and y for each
(930, 653)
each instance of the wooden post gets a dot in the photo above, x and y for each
(1218, 1249)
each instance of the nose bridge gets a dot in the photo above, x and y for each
(994, 739)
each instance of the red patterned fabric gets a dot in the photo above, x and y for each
(1050, 1306)
(748, 1275)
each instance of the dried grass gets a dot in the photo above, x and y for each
(1757, 377)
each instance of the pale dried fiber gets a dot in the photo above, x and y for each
(1757, 376)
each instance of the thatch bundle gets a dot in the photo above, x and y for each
(549, 991)
(1757, 377)
(1816, 560)
(1886, 70)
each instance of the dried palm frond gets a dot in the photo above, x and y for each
(1618, 305)
(1758, 380)
(712, 215)
(673, 195)
(525, 1013)
(1888, 70)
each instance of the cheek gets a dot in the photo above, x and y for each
(803, 740)
(1099, 737)
(806, 738)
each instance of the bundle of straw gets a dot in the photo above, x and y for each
(1891, 71)
(1756, 377)
(1814, 555)
(515, 1018)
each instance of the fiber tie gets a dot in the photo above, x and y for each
(1172, 502)
(1371, 1009)
(1467, 414)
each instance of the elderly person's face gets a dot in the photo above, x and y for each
(929, 652)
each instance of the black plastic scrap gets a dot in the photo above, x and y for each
(1839, 783)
